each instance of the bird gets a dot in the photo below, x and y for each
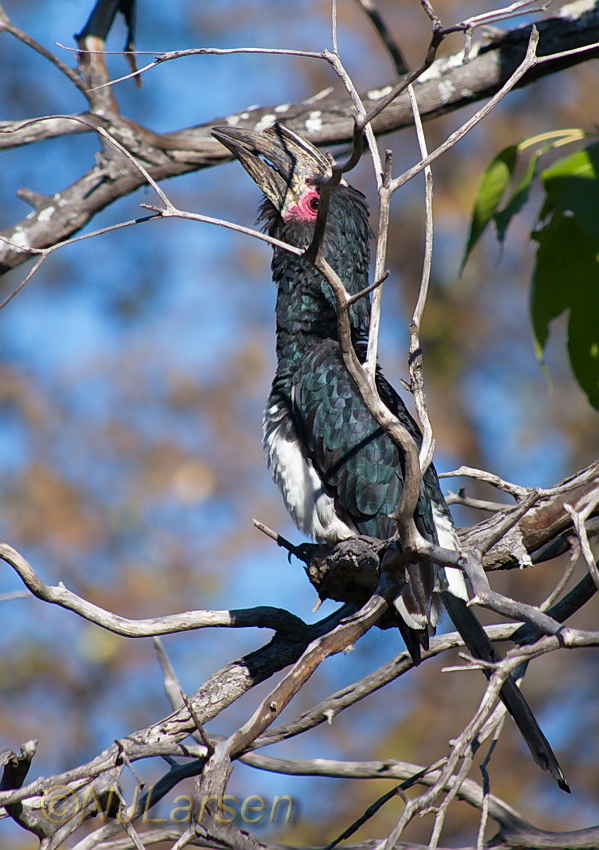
(339, 473)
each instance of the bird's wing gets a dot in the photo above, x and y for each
(360, 467)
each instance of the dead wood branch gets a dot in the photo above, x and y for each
(449, 84)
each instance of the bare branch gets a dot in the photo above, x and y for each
(260, 617)
(478, 504)
(544, 522)
(427, 449)
(561, 585)
(449, 84)
(337, 640)
(579, 517)
(368, 579)
(390, 44)
(411, 538)
(173, 212)
(469, 791)
(379, 267)
(163, 737)
(514, 490)
(529, 61)
(171, 55)
(20, 35)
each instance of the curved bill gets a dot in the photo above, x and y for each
(278, 161)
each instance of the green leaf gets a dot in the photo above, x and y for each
(493, 185)
(545, 211)
(552, 278)
(583, 337)
(572, 185)
(566, 277)
(518, 198)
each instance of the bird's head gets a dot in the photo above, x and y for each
(288, 169)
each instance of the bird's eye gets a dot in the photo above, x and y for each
(314, 202)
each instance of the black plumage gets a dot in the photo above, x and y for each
(339, 473)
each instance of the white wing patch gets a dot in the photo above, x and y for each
(448, 539)
(312, 510)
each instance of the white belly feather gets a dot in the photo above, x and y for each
(312, 510)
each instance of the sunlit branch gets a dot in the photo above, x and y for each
(529, 61)
(427, 449)
(260, 617)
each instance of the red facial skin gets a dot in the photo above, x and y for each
(307, 208)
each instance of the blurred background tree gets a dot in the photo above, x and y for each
(133, 371)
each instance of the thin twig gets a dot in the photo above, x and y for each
(173, 212)
(334, 41)
(404, 514)
(15, 594)
(381, 801)
(470, 791)
(486, 803)
(579, 518)
(478, 504)
(298, 551)
(181, 54)
(172, 687)
(7, 26)
(338, 169)
(205, 740)
(514, 490)
(389, 42)
(449, 797)
(510, 519)
(44, 253)
(379, 267)
(427, 448)
(529, 61)
(368, 289)
(169, 211)
(461, 755)
(561, 585)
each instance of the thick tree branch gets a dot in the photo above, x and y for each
(162, 738)
(544, 522)
(449, 84)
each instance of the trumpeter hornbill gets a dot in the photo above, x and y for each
(341, 475)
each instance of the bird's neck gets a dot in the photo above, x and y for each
(306, 312)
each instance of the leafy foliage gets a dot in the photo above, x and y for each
(566, 275)
(493, 186)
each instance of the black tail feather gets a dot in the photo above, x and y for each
(477, 642)
(414, 640)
